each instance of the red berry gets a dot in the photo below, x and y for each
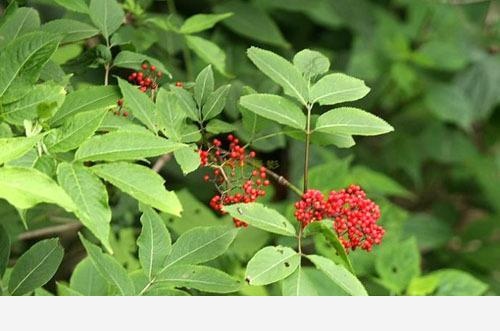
(179, 84)
(153, 68)
(144, 66)
(119, 102)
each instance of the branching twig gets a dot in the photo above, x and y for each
(56, 229)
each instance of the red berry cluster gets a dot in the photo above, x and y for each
(147, 79)
(235, 179)
(355, 216)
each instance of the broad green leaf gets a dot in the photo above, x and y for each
(188, 159)
(90, 197)
(271, 264)
(298, 284)
(276, 108)
(215, 103)
(311, 63)
(339, 275)
(154, 242)
(124, 145)
(199, 277)
(337, 88)
(109, 268)
(139, 103)
(86, 280)
(187, 103)
(41, 102)
(457, 282)
(85, 99)
(326, 229)
(22, 21)
(170, 115)
(204, 85)
(217, 126)
(200, 245)
(132, 60)
(252, 22)
(397, 263)
(201, 22)
(107, 15)
(141, 183)
(442, 55)
(162, 290)
(4, 250)
(71, 30)
(24, 58)
(430, 231)
(74, 131)
(36, 266)
(208, 52)
(351, 121)
(27, 187)
(280, 71)
(14, 148)
(424, 285)
(78, 6)
(448, 103)
(261, 217)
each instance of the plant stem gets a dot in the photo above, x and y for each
(106, 73)
(306, 168)
(186, 54)
(280, 179)
(307, 147)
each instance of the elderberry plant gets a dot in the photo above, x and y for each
(143, 152)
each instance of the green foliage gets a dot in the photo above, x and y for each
(82, 147)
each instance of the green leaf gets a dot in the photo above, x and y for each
(201, 22)
(71, 30)
(14, 148)
(141, 183)
(26, 187)
(187, 103)
(281, 72)
(326, 229)
(200, 244)
(40, 102)
(252, 22)
(86, 280)
(78, 6)
(275, 108)
(22, 21)
(311, 63)
(170, 115)
(457, 282)
(91, 199)
(132, 60)
(215, 103)
(271, 264)
(298, 284)
(139, 103)
(351, 121)
(204, 85)
(85, 99)
(124, 145)
(74, 131)
(36, 266)
(24, 58)
(339, 275)
(109, 268)
(397, 263)
(4, 250)
(188, 159)
(208, 52)
(449, 104)
(261, 217)
(337, 88)
(199, 277)
(154, 242)
(107, 15)
(217, 126)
